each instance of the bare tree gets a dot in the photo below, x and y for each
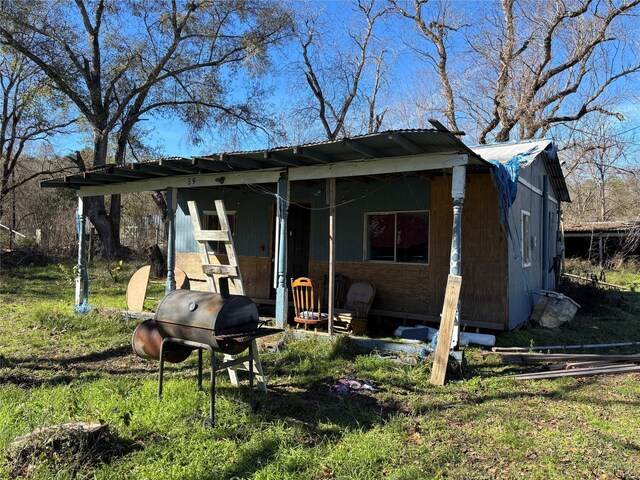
(600, 168)
(531, 65)
(337, 85)
(435, 21)
(552, 63)
(30, 110)
(120, 62)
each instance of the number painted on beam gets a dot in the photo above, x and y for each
(191, 181)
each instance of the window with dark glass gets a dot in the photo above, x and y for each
(398, 237)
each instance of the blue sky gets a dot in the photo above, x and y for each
(170, 137)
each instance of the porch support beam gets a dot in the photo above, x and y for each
(331, 191)
(172, 200)
(282, 295)
(82, 288)
(545, 232)
(355, 168)
(455, 260)
(378, 166)
(186, 181)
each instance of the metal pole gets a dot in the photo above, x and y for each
(199, 368)
(455, 260)
(251, 375)
(331, 188)
(212, 387)
(282, 301)
(161, 371)
(171, 239)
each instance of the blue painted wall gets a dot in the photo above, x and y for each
(253, 217)
(525, 282)
(353, 200)
(253, 209)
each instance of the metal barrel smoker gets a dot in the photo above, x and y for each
(190, 320)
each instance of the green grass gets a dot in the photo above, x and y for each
(57, 366)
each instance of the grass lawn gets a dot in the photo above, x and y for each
(57, 367)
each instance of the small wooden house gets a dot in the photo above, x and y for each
(406, 207)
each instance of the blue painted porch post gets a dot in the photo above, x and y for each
(82, 291)
(172, 195)
(282, 295)
(455, 261)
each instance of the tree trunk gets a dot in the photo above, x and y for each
(107, 224)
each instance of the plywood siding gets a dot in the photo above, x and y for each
(484, 295)
(400, 288)
(255, 272)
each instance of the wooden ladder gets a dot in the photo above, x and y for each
(230, 271)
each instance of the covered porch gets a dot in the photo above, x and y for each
(411, 290)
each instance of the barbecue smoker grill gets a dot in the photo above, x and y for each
(188, 320)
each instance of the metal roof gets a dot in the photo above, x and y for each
(528, 152)
(389, 144)
(597, 227)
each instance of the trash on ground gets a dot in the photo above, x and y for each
(352, 386)
(553, 309)
(426, 334)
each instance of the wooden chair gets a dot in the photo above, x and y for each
(306, 304)
(352, 318)
(341, 283)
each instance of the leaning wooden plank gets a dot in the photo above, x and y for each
(578, 372)
(597, 283)
(441, 358)
(563, 347)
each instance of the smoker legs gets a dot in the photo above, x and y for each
(223, 366)
(199, 368)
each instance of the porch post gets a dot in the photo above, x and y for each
(82, 287)
(172, 197)
(331, 190)
(455, 261)
(282, 295)
(545, 233)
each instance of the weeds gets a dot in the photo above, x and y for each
(58, 367)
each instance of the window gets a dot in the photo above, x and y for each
(398, 237)
(526, 239)
(210, 221)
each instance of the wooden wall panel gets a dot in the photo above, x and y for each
(255, 272)
(400, 288)
(484, 249)
(420, 289)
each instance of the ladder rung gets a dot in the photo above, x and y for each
(212, 236)
(228, 270)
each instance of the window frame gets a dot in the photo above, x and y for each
(233, 227)
(526, 240)
(365, 237)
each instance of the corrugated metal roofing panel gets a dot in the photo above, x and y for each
(393, 143)
(527, 152)
(596, 227)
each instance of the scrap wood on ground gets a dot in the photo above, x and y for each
(573, 365)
